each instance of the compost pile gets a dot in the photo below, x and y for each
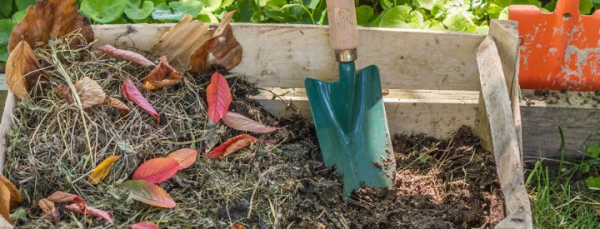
(103, 137)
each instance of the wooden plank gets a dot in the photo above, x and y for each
(5, 125)
(278, 55)
(435, 113)
(505, 145)
(575, 112)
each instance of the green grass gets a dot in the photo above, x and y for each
(561, 199)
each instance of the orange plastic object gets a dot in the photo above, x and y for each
(559, 50)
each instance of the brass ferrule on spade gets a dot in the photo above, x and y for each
(347, 55)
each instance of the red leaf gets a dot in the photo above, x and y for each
(90, 211)
(231, 146)
(218, 97)
(64, 197)
(186, 157)
(240, 122)
(149, 193)
(157, 170)
(144, 225)
(132, 93)
(126, 55)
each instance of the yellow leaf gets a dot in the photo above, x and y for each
(100, 172)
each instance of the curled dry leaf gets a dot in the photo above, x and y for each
(222, 49)
(5, 202)
(90, 211)
(178, 50)
(90, 93)
(157, 170)
(21, 70)
(48, 20)
(15, 195)
(149, 193)
(64, 197)
(145, 224)
(238, 226)
(115, 103)
(218, 97)
(132, 93)
(49, 211)
(101, 171)
(163, 75)
(65, 92)
(185, 157)
(126, 55)
(243, 123)
(231, 146)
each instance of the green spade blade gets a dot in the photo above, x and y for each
(351, 124)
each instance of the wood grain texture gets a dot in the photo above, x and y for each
(435, 113)
(5, 125)
(505, 145)
(343, 34)
(284, 55)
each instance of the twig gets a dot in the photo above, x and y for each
(254, 192)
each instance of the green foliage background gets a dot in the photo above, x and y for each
(470, 16)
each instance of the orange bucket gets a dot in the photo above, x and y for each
(559, 50)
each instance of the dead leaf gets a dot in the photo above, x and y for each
(163, 75)
(65, 92)
(185, 157)
(90, 93)
(48, 20)
(64, 197)
(238, 226)
(49, 210)
(115, 103)
(15, 195)
(218, 97)
(126, 55)
(21, 74)
(243, 123)
(132, 93)
(157, 170)
(90, 211)
(101, 171)
(231, 146)
(145, 224)
(222, 49)
(5, 202)
(177, 50)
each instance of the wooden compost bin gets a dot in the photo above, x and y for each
(434, 83)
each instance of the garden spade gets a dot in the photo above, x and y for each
(349, 115)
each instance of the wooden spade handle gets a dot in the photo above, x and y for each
(343, 34)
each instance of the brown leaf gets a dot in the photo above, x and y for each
(240, 122)
(5, 202)
(64, 197)
(163, 75)
(15, 195)
(115, 103)
(65, 92)
(21, 74)
(90, 93)
(177, 50)
(231, 146)
(49, 210)
(126, 55)
(222, 49)
(48, 20)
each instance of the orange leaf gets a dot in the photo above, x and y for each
(65, 92)
(64, 197)
(149, 193)
(218, 97)
(101, 171)
(185, 157)
(21, 74)
(157, 170)
(15, 195)
(5, 202)
(49, 210)
(145, 224)
(222, 49)
(132, 93)
(178, 50)
(48, 20)
(115, 103)
(238, 226)
(243, 123)
(231, 146)
(126, 55)
(163, 75)
(90, 211)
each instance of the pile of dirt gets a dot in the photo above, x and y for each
(278, 182)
